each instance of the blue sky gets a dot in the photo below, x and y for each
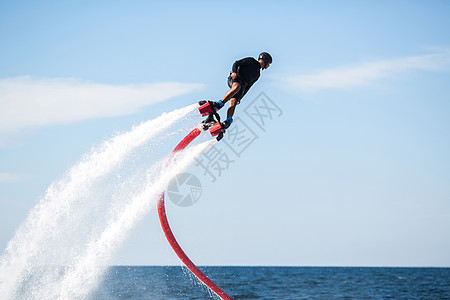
(355, 171)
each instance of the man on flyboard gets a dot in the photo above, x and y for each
(244, 73)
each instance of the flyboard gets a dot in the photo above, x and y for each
(216, 128)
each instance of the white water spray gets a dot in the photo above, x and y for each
(73, 210)
(84, 274)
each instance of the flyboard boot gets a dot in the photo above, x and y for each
(218, 129)
(212, 122)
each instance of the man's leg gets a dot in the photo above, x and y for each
(230, 96)
(232, 107)
(235, 88)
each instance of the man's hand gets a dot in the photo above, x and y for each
(233, 75)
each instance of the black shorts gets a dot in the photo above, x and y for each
(241, 92)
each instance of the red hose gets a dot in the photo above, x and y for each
(171, 238)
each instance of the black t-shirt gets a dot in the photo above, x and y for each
(248, 70)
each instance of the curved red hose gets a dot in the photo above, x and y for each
(171, 238)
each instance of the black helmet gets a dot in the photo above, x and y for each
(266, 57)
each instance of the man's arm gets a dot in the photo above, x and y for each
(235, 69)
(237, 64)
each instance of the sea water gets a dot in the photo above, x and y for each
(175, 282)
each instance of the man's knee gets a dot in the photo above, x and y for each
(236, 87)
(234, 102)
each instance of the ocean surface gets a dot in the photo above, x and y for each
(286, 283)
